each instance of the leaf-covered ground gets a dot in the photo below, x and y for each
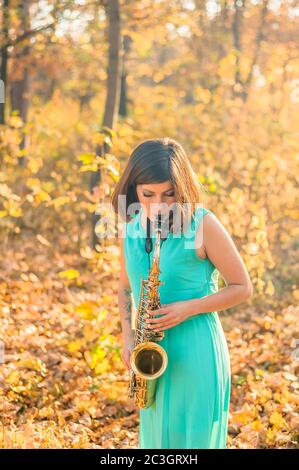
(63, 384)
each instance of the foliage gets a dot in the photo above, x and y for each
(235, 111)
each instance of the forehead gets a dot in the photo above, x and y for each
(157, 186)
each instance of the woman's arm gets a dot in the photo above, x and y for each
(222, 252)
(124, 297)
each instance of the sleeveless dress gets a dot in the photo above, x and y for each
(192, 396)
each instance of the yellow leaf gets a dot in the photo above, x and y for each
(86, 158)
(244, 416)
(15, 121)
(33, 183)
(59, 201)
(102, 366)
(257, 425)
(92, 167)
(35, 164)
(87, 309)
(270, 436)
(74, 346)
(69, 274)
(42, 196)
(277, 420)
(15, 211)
(13, 378)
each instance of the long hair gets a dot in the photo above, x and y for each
(155, 161)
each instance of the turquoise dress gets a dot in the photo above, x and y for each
(192, 396)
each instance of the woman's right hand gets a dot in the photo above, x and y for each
(127, 348)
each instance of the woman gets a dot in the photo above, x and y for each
(192, 395)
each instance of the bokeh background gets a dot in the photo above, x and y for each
(82, 83)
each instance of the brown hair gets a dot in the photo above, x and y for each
(155, 161)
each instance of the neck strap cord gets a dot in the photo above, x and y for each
(149, 242)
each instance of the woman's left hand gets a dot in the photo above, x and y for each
(171, 315)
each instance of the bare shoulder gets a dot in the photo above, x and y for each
(218, 245)
(208, 224)
(211, 235)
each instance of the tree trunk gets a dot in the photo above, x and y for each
(112, 96)
(123, 106)
(4, 58)
(19, 87)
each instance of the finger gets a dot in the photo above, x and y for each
(159, 311)
(156, 322)
(165, 326)
(162, 308)
(162, 319)
(156, 326)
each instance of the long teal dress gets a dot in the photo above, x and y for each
(192, 396)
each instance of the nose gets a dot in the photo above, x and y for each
(158, 200)
(158, 205)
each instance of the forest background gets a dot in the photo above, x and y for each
(82, 83)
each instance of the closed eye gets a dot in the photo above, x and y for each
(167, 195)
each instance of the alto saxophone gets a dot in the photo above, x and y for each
(148, 359)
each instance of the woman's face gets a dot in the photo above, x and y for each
(155, 196)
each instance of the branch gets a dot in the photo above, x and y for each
(26, 34)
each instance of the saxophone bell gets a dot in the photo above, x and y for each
(149, 360)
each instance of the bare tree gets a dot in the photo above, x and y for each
(8, 42)
(4, 55)
(112, 96)
(19, 88)
(124, 95)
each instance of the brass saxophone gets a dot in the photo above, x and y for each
(148, 359)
